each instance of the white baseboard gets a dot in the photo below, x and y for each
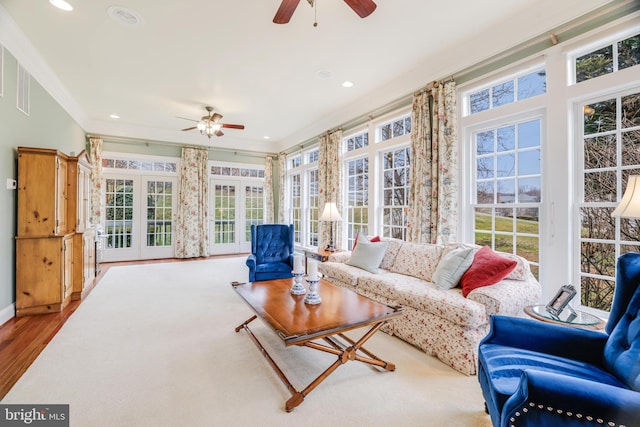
(7, 313)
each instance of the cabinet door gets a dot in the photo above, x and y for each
(67, 273)
(61, 199)
(37, 206)
(39, 274)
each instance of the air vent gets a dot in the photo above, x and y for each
(24, 81)
(1, 71)
(125, 16)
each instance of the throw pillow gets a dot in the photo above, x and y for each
(488, 268)
(355, 241)
(452, 266)
(368, 255)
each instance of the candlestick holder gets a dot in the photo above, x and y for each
(298, 287)
(313, 297)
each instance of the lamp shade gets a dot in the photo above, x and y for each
(629, 206)
(330, 213)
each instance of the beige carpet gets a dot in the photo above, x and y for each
(154, 345)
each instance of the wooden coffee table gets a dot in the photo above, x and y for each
(320, 327)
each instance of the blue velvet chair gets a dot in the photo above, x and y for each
(271, 252)
(540, 374)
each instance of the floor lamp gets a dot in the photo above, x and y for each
(330, 214)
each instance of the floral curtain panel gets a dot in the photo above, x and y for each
(192, 219)
(95, 158)
(282, 162)
(329, 184)
(268, 190)
(432, 212)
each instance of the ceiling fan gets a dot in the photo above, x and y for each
(363, 8)
(210, 124)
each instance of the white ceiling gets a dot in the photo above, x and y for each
(229, 54)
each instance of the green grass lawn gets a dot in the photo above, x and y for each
(527, 246)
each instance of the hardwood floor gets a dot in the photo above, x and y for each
(23, 338)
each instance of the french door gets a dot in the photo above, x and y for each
(234, 207)
(138, 220)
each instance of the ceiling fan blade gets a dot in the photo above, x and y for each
(285, 11)
(219, 133)
(363, 8)
(184, 118)
(230, 126)
(191, 128)
(215, 117)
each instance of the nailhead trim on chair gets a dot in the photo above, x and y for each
(559, 412)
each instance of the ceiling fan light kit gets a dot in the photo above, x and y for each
(210, 125)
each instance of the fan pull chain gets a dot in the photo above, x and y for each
(315, 13)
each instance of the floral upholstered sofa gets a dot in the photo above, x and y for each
(441, 322)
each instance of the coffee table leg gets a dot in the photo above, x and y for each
(245, 323)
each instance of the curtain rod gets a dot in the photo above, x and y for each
(127, 140)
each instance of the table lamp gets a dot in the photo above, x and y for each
(629, 206)
(330, 214)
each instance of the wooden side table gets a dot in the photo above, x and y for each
(578, 318)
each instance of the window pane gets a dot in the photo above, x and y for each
(529, 190)
(629, 52)
(479, 101)
(532, 84)
(529, 134)
(597, 223)
(631, 110)
(529, 162)
(484, 143)
(594, 64)
(506, 165)
(506, 138)
(600, 152)
(600, 117)
(600, 186)
(484, 192)
(503, 94)
(506, 191)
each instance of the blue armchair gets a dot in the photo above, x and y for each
(271, 252)
(541, 374)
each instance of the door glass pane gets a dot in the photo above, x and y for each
(159, 208)
(254, 208)
(225, 214)
(119, 213)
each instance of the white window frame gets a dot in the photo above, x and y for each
(516, 112)
(373, 152)
(303, 167)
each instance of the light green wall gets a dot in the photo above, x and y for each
(47, 126)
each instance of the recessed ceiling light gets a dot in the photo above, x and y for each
(267, 137)
(347, 84)
(125, 16)
(114, 116)
(61, 4)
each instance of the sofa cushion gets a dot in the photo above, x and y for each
(417, 259)
(452, 266)
(367, 255)
(425, 296)
(488, 268)
(341, 273)
(392, 252)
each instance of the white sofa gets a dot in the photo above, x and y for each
(440, 322)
